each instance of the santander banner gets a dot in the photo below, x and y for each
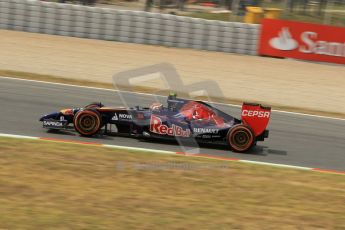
(280, 38)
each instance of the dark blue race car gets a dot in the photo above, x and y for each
(181, 118)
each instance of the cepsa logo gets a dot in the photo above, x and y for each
(255, 113)
(302, 41)
(156, 126)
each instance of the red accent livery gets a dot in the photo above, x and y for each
(256, 116)
(156, 126)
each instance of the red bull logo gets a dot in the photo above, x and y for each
(156, 126)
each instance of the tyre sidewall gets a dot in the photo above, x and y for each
(96, 118)
(233, 131)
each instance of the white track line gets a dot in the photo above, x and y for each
(276, 165)
(176, 153)
(148, 94)
(138, 149)
(18, 136)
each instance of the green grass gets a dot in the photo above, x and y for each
(218, 16)
(337, 19)
(47, 185)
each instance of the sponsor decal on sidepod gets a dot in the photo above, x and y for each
(125, 116)
(121, 116)
(115, 118)
(205, 130)
(156, 126)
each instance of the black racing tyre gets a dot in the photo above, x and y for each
(240, 138)
(87, 122)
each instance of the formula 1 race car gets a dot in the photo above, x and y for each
(181, 118)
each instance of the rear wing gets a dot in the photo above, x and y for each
(256, 116)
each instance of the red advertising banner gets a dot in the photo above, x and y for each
(280, 38)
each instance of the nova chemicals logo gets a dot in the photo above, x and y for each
(284, 41)
(115, 118)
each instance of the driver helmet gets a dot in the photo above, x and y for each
(172, 104)
(156, 107)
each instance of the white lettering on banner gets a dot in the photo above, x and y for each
(255, 113)
(305, 37)
(311, 45)
(156, 126)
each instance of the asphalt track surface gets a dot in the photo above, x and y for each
(294, 139)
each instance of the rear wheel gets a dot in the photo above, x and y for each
(240, 138)
(87, 122)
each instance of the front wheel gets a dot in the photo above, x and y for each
(94, 105)
(87, 122)
(240, 138)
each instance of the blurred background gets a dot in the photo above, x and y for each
(331, 12)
